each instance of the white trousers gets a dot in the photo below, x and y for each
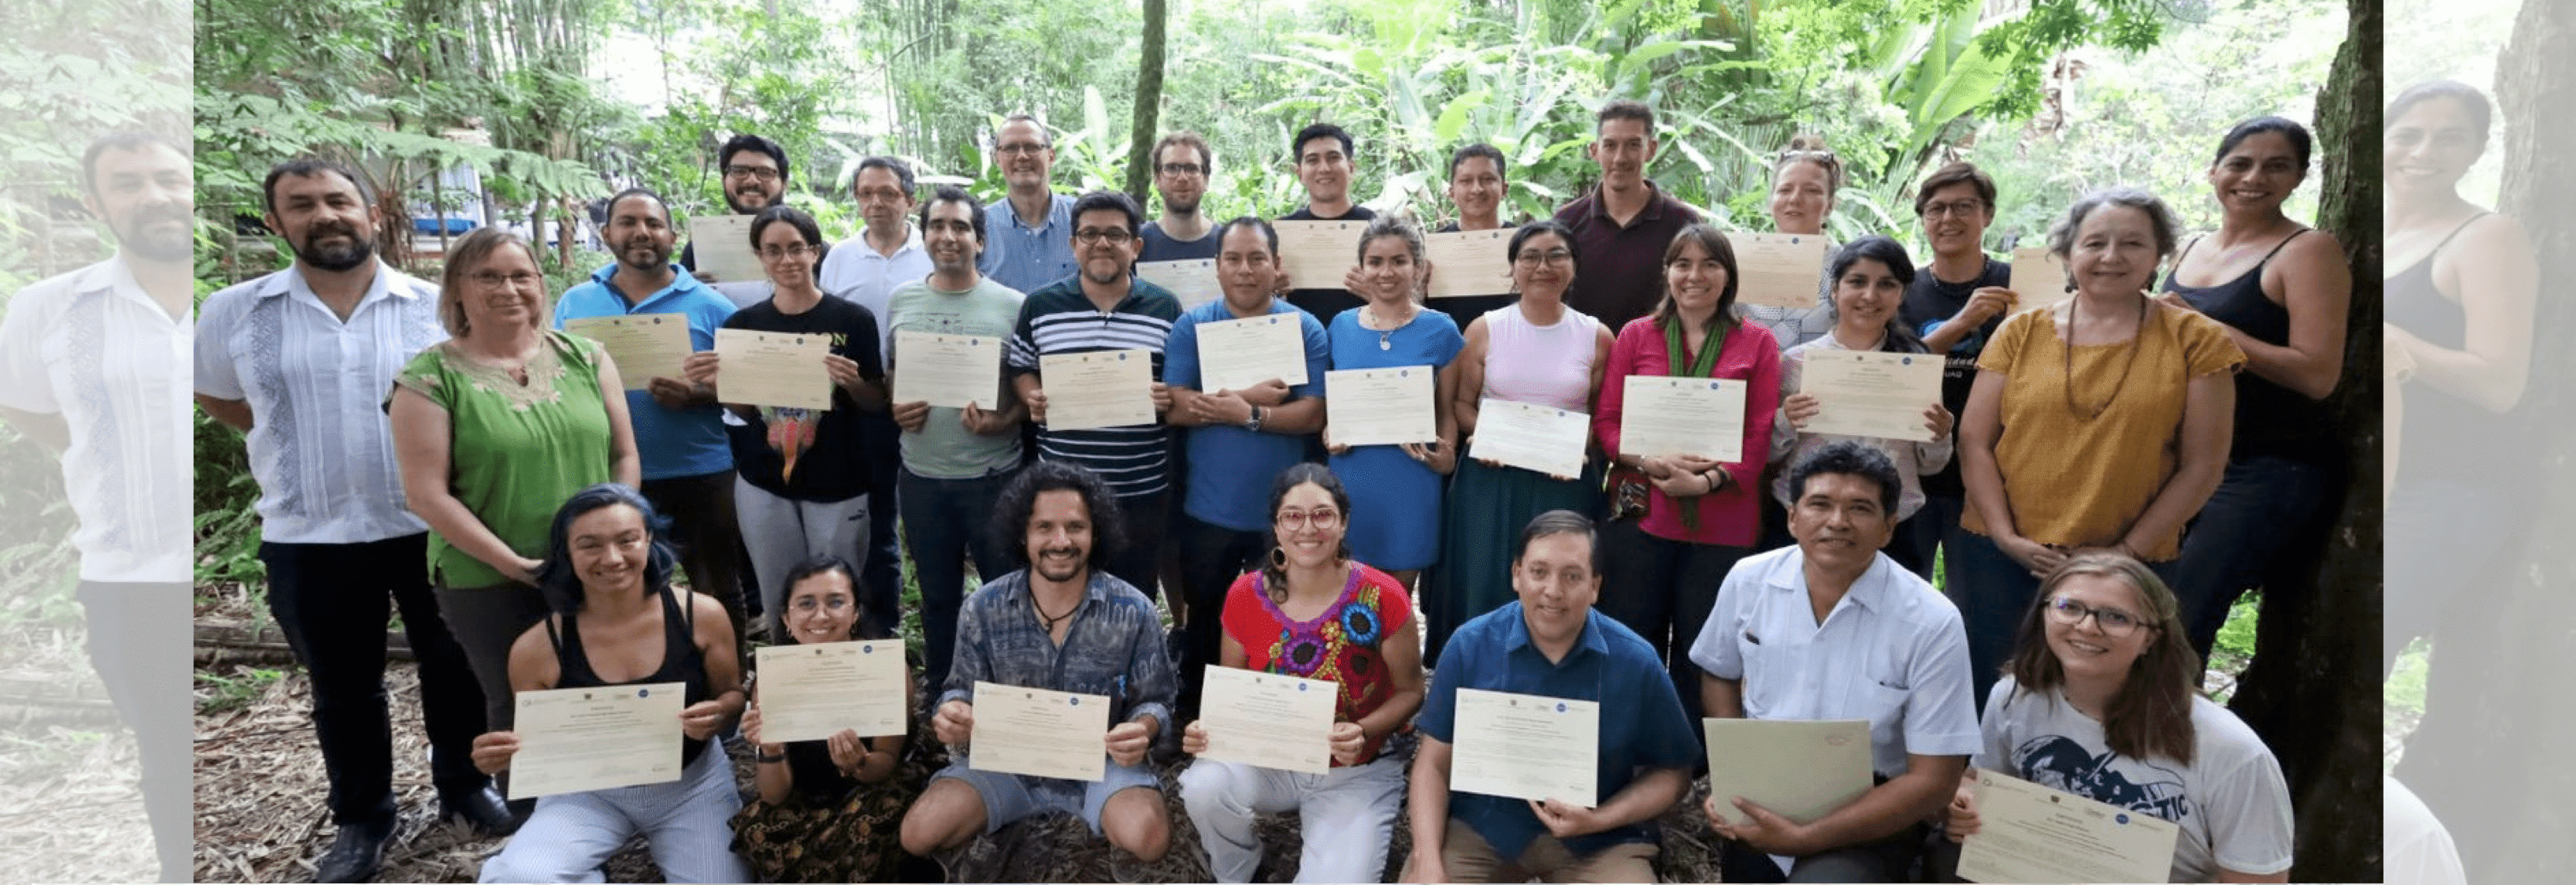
(782, 532)
(1346, 816)
(688, 824)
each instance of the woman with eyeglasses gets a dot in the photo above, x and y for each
(1314, 612)
(801, 476)
(493, 429)
(1538, 351)
(615, 621)
(827, 810)
(2102, 703)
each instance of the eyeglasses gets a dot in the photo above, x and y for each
(1183, 169)
(1320, 518)
(778, 253)
(494, 280)
(1099, 236)
(762, 173)
(2113, 621)
(1533, 257)
(1021, 149)
(1953, 209)
(808, 604)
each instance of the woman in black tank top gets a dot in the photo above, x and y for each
(2283, 291)
(618, 623)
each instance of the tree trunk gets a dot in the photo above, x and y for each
(1149, 104)
(2497, 711)
(2313, 690)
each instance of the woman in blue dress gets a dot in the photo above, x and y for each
(1395, 489)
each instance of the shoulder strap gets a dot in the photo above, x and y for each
(2455, 232)
(2285, 243)
(2186, 253)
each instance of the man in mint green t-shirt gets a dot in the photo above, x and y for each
(955, 461)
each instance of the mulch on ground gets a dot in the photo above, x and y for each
(69, 807)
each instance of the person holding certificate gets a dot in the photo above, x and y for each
(1239, 435)
(493, 428)
(1551, 643)
(1326, 167)
(2282, 290)
(1804, 178)
(1539, 352)
(1870, 276)
(1062, 623)
(1314, 611)
(2101, 422)
(1957, 302)
(1680, 521)
(2100, 702)
(617, 621)
(1477, 187)
(1832, 630)
(1396, 526)
(828, 810)
(802, 477)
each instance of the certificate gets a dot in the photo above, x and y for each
(1868, 393)
(2030, 833)
(1780, 270)
(2038, 278)
(1102, 388)
(1193, 280)
(644, 345)
(1543, 439)
(812, 692)
(1268, 719)
(777, 369)
(1800, 769)
(721, 245)
(1235, 354)
(1382, 407)
(1040, 733)
(1469, 262)
(947, 370)
(1524, 746)
(1319, 254)
(1663, 415)
(574, 740)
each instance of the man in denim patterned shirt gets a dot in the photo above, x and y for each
(1060, 623)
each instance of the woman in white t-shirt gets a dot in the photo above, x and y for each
(2099, 701)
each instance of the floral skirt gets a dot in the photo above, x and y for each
(857, 840)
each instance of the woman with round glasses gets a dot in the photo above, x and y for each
(827, 810)
(2102, 702)
(801, 476)
(1314, 612)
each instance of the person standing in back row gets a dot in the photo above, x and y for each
(1623, 226)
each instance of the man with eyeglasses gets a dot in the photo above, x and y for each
(1322, 155)
(1105, 307)
(1834, 629)
(1029, 230)
(1955, 303)
(866, 269)
(679, 428)
(1182, 166)
(1238, 439)
(299, 361)
(1623, 226)
(755, 178)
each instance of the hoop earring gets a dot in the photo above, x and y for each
(1279, 559)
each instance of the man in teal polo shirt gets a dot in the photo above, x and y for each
(679, 430)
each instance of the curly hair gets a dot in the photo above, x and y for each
(556, 577)
(1274, 571)
(1019, 499)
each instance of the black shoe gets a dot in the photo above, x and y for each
(354, 853)
(482, 808)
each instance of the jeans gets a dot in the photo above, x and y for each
(1212, 556)
(1933, 526)
(703, 528)
(2442, 537)
(944, 522)
(783, 532)
(2263, 506)
(333, 602)
(1346, 816)
(686, 824)
(881, 576)
(1993, 594)
(1663, 589)
(139, 644)
(486, 621)
(1146, 518)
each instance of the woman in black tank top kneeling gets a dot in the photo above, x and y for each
(618, 623)
(2282, 289)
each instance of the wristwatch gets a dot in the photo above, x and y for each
(1254, 423)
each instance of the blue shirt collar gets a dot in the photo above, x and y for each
(681, 281)
(1516, 635)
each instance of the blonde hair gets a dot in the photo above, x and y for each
(468, 255)
(2152, 716)
(1810, 148)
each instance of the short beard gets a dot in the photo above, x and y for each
(1038, 567)
(336, 260)
(739, 209)
(159, 249)
(1094, 280)
(1176, 207)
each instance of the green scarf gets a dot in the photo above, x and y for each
(1698, 368)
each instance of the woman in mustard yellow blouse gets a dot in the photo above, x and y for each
(2099, 423)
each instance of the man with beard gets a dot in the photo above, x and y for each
(1059, 624)
(1182, 166)
(94, 366)
(1623, 226)
(300, 361)
(755, 178)
(679, 429)
(1105, 307)
(1029, 231)
(867, 269)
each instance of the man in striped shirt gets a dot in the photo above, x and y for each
(1104, 307)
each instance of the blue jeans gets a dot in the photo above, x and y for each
(2263, 505)
(1994, 593)
(944, 522)
(2442, 537)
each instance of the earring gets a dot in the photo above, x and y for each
(1279, 559)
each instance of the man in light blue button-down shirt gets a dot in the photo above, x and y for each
(1028, 235)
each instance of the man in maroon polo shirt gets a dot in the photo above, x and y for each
(1622, 227)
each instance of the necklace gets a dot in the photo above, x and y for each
(1385, 337)
(1052, 620)
(2068, 366)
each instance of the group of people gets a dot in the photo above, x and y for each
(2103, 475)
